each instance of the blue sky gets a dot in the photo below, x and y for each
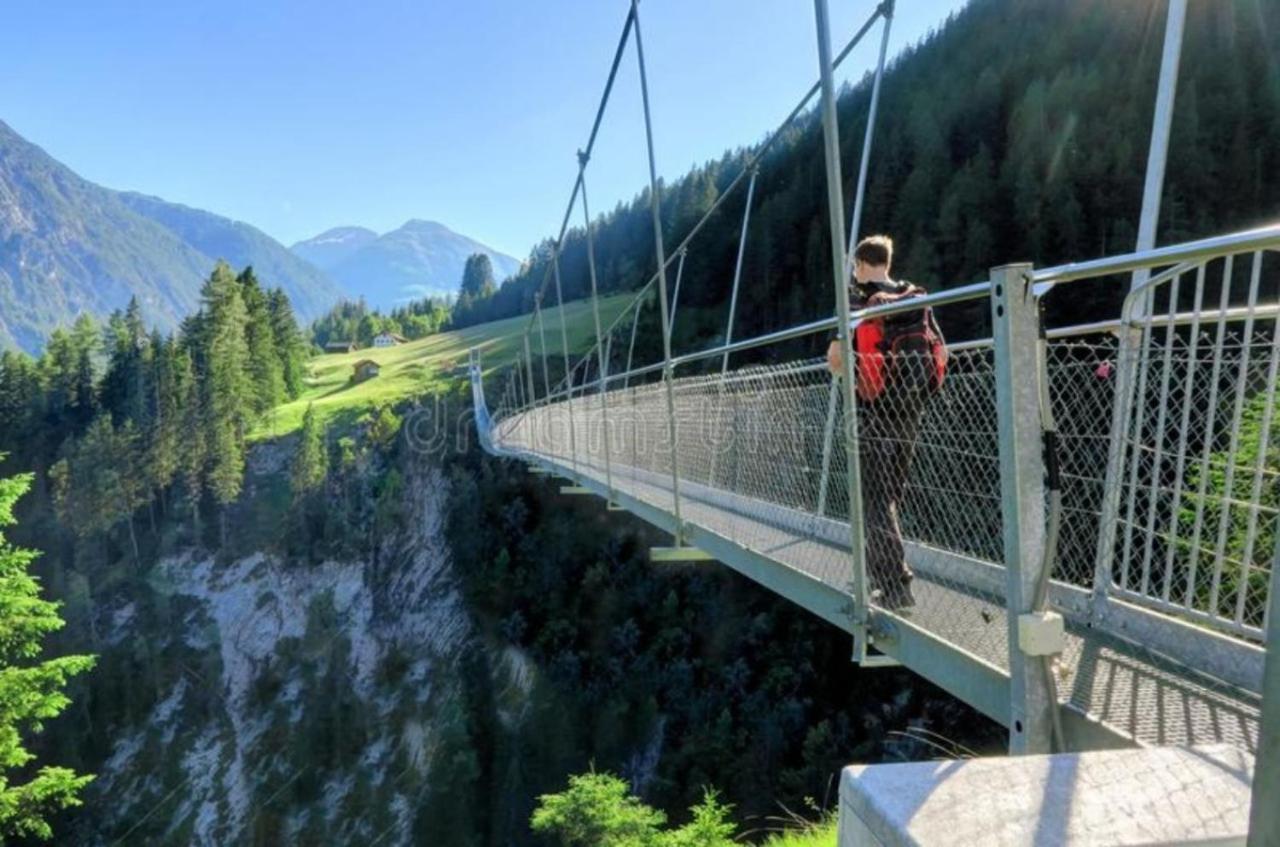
(300, 116)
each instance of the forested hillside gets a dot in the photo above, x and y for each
(1018, 132)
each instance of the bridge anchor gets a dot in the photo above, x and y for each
(679, 554)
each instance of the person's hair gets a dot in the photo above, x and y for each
(874, 250)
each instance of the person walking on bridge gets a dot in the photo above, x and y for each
(899, 361)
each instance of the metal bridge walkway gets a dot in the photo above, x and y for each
(1113, 690)
(1132, 692)
(1092, 512)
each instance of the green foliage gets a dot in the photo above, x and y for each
(353, 321)
(384, 426)
(821, 834)
(310, 457)
(598, 810)
(1226, 516)
(31, 692)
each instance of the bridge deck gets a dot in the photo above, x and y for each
(1128, 687)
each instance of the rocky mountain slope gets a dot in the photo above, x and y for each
(69, 246)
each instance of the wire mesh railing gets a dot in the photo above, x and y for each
(1187, 376)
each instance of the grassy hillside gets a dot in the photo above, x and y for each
(419, 366)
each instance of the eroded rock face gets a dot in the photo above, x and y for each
(287, 654)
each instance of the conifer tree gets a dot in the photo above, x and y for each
(264, 368)
(290, 347)
(227, 387)
(31, 691)
(191, 434)
(477, 277)
(310, 458)
(163, 445)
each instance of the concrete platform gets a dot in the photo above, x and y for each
(1152, 796)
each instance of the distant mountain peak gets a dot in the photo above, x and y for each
(422, 257)
(73, 247)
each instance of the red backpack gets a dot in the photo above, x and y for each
(878, 342)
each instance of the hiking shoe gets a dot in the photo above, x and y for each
(895, 594)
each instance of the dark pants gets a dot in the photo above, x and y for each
(888, 428)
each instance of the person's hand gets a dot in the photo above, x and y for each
(880, 298)
(835, 362)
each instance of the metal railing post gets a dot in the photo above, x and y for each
(835, 212)
(855, 223)
(564, 352)
(1016, 325)
(595, 312)
(528, 360)
(1264, 812)
(1130, 346)
(542, 343)
(660, 249)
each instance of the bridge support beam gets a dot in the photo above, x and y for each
(679, 554)
(1264, 812)
(839, 269)
(1016, 325)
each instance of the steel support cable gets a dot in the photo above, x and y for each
(618, 52)
(675, 293)
(528, 358)
(655, 206)
(564, 353)
(733, 311)
(542, 342)
(751, 162)
(855, 222)
(835, 211)
(886, 10)
(753, 158)
(595, 311)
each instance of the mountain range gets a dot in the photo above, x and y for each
(70, 247)
(420, 258)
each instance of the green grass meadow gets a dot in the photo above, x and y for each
(419, 367)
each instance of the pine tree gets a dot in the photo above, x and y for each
(227, 386)
(290, 347)
(265, 373)
(98, 483)
(477, 277)
(163, 445)
(310, 458)
(32, 692)
(191, 435)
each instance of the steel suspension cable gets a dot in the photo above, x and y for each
(595, 312)
(855, 221)
(655, 206)
(542, 342)
(733, 307)
(528, 358)
(675, 294)
(564, 352)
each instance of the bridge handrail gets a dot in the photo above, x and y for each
(949, 296)
(1248, 241)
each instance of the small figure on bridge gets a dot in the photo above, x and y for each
(900, 360)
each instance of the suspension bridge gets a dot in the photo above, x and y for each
(1091, 511)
